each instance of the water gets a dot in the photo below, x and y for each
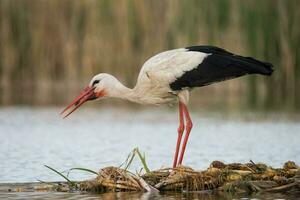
(96, 138)
(143, 196)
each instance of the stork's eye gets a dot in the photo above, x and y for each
(95, 82)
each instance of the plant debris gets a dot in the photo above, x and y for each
(218, 177)
(234, 177)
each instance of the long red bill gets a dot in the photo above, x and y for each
(86, 94)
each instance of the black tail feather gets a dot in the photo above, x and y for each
(255, 66)
(219, 65)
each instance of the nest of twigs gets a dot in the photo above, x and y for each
(235, 177)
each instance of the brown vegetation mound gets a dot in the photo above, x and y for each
(235, 177)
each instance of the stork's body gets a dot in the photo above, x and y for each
(169, 76)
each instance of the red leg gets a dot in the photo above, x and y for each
(180, 132)
(189, 126)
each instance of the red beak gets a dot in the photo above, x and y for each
(86, 94)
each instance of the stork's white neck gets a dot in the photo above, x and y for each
(123, 92)
(142, 93)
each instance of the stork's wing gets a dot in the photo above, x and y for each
(219, 65)
(164, 68)
(201, 65)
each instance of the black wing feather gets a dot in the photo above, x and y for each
(220, 65)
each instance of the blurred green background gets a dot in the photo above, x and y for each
(49, 50)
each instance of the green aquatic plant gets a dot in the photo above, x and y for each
(70, 183)
(83, 169)
(143, 160)
(131, 156)
(127, 163)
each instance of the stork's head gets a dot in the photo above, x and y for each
(98, 88)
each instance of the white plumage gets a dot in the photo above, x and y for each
(153, 84)
(169, 76)
(162, 69)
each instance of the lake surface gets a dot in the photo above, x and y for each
(96, 138)
(144, 196)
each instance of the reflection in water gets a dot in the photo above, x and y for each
(144, 196)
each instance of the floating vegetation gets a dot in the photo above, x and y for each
(219, 177)
(234, 177)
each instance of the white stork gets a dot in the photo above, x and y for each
(170, 76)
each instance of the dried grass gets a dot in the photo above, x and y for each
(234, 177)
